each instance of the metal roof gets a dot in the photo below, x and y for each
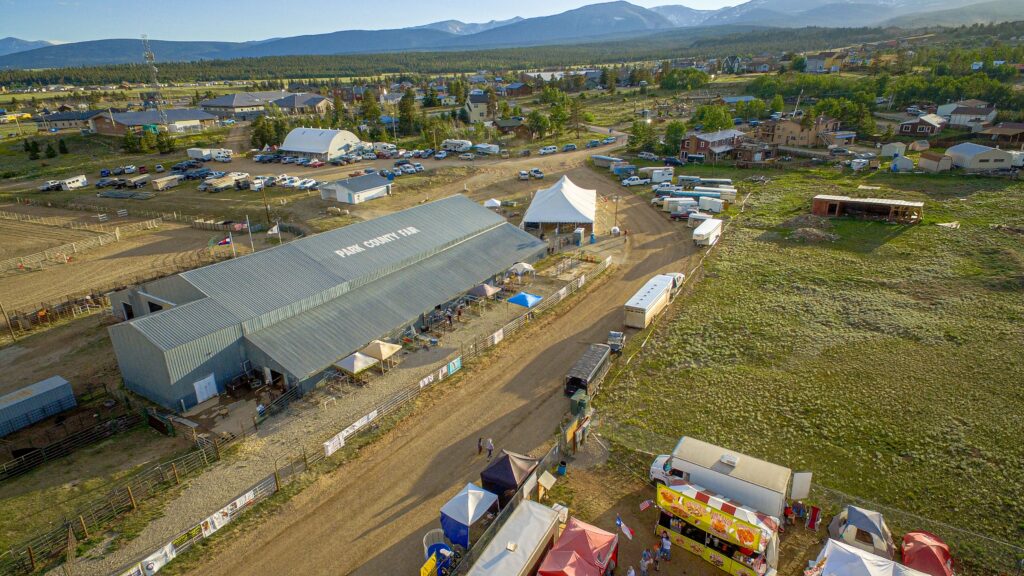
(31, 391)
(529, 527)
(77, 115)
(748, 469)
(299, 100)
(650, 292)
(307, 343)
(244, 99)
(153, 117)
(182, 324)
(885, 201)
(319, 141)
(361, 183)
(968, 149)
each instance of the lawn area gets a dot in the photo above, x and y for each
(889, 361)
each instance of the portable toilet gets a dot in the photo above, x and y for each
(578, 402)
(578, 235)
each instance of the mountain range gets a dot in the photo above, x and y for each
(10, 45)
(618, 19)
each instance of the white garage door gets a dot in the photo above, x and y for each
(206, 389)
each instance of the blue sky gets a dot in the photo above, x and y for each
(237, 20)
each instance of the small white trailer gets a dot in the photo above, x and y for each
(649, 301)
(713, 205)
(459, 146)
(657, 175)
(671, 205)
(200, 154)
(708, 232)
(165, 182)
(74, 183)
(697, 218)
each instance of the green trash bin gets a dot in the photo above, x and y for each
(578, 402)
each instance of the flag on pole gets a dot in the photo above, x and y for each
(646, 504)
(225, 242)
(622, 526)
(275, 229)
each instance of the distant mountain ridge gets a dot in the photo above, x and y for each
(594, 22)
(11, 45)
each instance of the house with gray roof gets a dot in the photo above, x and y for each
(242, 105)
(178, 120)
(73, 120)
(357, 190)
(290, 313)
(304, 103)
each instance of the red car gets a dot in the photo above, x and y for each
(315, 164)
(143, 170)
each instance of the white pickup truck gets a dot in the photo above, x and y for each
(636, 181)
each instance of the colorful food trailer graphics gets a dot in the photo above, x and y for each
(518, 548)
(737, 539)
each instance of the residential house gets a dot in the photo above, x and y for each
(752, 154)
(304, 103)
(68, 120)
(945, 110)
(762, 65)
(733, 65)
(925, 125)
(478, 79)
(391, 99)
(712, 145)
(824, 62)
(241, 105)
(792, 132)
(518, 90)
(934, 162)
(515, 125)
(178, 120)
(476, 108)
(977, 158)
(971, 117)
(1007, 132)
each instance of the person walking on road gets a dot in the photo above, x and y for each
(479, 445)
(490, 448)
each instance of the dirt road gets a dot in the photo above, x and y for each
(369, 516)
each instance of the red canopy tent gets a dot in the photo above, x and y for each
(566, 563)
(926, 552)
(588, 545)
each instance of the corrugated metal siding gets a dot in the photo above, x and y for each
(143, 366)
(33, 403)
(182, 324)
(220, 353)
(173, 289)
(308, 343)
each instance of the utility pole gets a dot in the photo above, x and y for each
(150, 59)
(265, 205)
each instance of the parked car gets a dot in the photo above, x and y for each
(369, 171)
(569, 148)
(306, 184)
(158, 168)
(49, 185)
(104, 173)
(635, 181)
(417, 167)
(118, 171)
(400, 163)
(386, 173)
(467, 156)
(441, 155)
(315, 163)
(593, 144)
(104, 182)
(840, 152)
(369, 156)
(427, 153)
(130, 169)
(524, 175)
(548, 150)
(143, 170)
(647, 156)
(536, 173)
(672, 161)
(610, 140)
(409, 169)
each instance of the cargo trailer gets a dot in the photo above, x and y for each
(708, 233)
(648, 302)
(697, 218)
(588, 370)
(713, 205)
(165, 182)
(75, 183)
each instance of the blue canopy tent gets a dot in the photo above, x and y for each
(525, 299)
(464, 510)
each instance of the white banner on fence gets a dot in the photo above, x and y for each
(338, 440)
(562, 293)
(583, 278)
(334, 444)
(157, 560)
(498, 336)
(358, 424)
(427, 380)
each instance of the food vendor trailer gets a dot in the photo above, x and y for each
(518, 548)
(737, 539)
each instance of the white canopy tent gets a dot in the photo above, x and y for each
(356, 363)
(381, 351)
(563, 203)
(492, 203)
(840, 559)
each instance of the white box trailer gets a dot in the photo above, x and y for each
(488, 149)
(673, 205)
(708, 232)
(165, 182)
(757, 484)
(200, 154)
(384, 147)
(521, 543)
(657, 175)
(728, 194)
(697, 218)
(713, 205)
(649, 301)
(74, 183)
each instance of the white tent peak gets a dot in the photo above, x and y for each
(492, 203)
(563, 203)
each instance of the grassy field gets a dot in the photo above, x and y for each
(887, 361)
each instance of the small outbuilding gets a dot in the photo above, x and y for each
(899, 211)
(934, 162)
(320, 143)
(35, 402)
(357, 190)
(978, 158)
(894, 149)
(902, 164)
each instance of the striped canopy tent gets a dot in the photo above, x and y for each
(767, 524)
(356, 363)
(382, 351)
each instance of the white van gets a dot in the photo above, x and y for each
(548, 150)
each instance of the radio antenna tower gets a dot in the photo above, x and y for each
(147, 53)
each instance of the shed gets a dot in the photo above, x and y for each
(35, 402)
(902, 164)
(978, 158)
(357, 190)
(901, 211)
(894, 149)
(934, 162)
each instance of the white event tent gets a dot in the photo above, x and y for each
(563, 203)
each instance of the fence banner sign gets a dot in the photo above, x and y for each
(427, 380)
(455, 365)
(498, 336)
(157, 560)
(359, 424)
(583, 279)
(333, 444)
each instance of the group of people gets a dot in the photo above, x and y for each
(648, 558)
(794, 511)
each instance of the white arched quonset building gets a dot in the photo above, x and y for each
(321, 143)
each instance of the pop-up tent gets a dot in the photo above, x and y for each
(525, 299)
(381, 351)
(563, 203)
(356, 363)
(484, 291)
(864, 529)
(520, 268)
(841, 559)
(927, 553)
(492, 203)
(465, 509)
(566, 563)
(506, 474)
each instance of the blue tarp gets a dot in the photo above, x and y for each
(462, 511)
(525, 299)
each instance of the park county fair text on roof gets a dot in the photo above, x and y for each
(298, 308)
